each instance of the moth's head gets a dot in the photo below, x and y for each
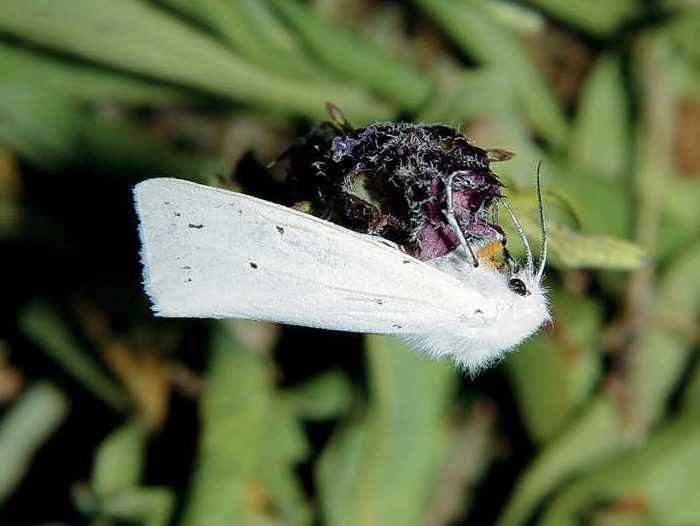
(512, 309)
(520, 281)
(496, 257)
(515, 301)
(494, 318)
(523, 280)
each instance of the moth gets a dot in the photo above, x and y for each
(407, 243)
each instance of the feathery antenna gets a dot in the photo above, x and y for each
(543, 227)
(528, 249)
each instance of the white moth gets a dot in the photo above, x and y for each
(212, 253)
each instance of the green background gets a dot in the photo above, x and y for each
(110, 416)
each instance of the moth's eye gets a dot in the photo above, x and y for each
(518, 286)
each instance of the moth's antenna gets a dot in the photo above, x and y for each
(452, 220)
(521, 232)
(543, 227)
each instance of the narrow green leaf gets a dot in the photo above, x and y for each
(601, 135)
(38, 124)
(655, 141)
(594, 437)
(143, 506)
(119, 460)
(469, 95)
(475, 31)
(678, 293)
(85, 83)
(44, 326)
(577, 250)
(248, 446)
(684, 31)
(603, 206)
(136, 36)
(554, 373)
(350, 56)
(52, 130)
(681, 196)
(382, 469)
(605, 427)
(324, 396)
(26, 426)
(572, 248)
(255, 31)
(597, 17)
(661, 477)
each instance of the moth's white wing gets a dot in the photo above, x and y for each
(208, 252)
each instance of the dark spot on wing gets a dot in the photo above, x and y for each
(280, 229)
(252, 265)
(191, 225)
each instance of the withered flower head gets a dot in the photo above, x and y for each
(394, 180)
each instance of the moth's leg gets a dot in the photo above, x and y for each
(452, 220)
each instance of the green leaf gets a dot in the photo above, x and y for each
(601, 136)
(52, 130)
(82, 82)
(327, 395)
(591, 439)
(356, 59)
(662, 477)
(603, 206)
(680, 201)
(26, 426)
(38, 124)
(596, 17)
(144, 506)
(476, 32)
(605, 427)
(254, 30)
(136, 36)
(248, 445)
(44, 326)
(678, 293)
(576, 250)
(571, 248)
(115, 492)
(684, 31)
(382, 469)
(119, 460)
(468, 95)
(554, 373)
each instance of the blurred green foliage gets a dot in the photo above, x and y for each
(592, 421)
